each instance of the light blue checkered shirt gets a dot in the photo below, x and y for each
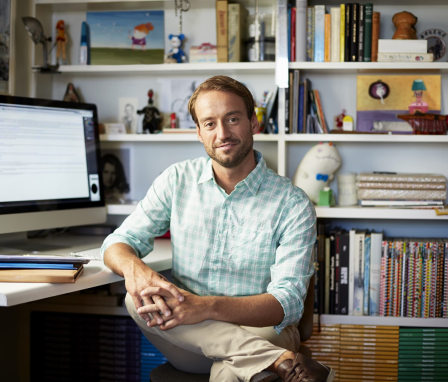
(258, 239)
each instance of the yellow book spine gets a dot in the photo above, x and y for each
(342, 35)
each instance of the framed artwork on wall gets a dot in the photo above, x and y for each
(7, 8)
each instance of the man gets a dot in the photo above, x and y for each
(242, 240)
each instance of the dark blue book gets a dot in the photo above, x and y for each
(21, 265)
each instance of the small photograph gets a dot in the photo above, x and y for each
(127, 114)
(115, 167)
(126, 37)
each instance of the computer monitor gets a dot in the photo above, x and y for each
(49, 165)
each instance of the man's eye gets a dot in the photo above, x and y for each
(208, 125)
(233, 120)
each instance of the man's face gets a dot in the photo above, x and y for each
(224, 128)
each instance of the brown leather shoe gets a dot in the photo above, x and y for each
(304, 369)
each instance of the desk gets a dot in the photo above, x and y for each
(95, 273)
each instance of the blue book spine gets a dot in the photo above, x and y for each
(366, 274)
(319, 33)
(20, 265)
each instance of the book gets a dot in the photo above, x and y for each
(344, 261)
(222, 30)
(367, 249)
(310, 33)
(376, 239)
(402, 46)
(403, 185)
(376, 18)
(320, 111)
(41, 275)
(400, 177)
(361, 21)
(342, 32)
(301, 30)
(351, 270)
(401, 203)
(327, 276)
(327, 38)
(348, 30)
(358, 276)
(237, 16)
(367, 42)
(354, 34)
(319, 33)
(335, 13)
(398, 194)
(405, 57)
(292, 34)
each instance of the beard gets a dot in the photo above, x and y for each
(236, 157)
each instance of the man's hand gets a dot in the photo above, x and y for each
(121, 259)
(192, 310)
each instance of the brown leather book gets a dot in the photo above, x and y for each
(375, 34)
(41, 275)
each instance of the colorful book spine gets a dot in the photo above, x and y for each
(342, 33)
(376, 239)
(348, 30)
(367, 250)
(310, 33)
(358, 284)
(361, 21)
(354, 17)
(383, 278)
(221, 30)
(320, 111)
(376, 16)
(327, 38)
(319, 33)
(445, 282)
(292, 34)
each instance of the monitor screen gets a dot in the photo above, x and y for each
(49, 165)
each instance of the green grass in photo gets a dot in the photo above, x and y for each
(123, 56)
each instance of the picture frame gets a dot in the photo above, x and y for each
(115, 174)
(7, 15)
(127, 114)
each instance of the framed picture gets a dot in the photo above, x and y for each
(127, 114)
(7, 12)
(115, 173)
(126, 37)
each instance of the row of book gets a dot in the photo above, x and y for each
(381, 353)
(87, 347)
(401, 189)
(362, 273)
(304, 109)
(348, 32)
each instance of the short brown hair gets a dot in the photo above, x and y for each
(224, 84)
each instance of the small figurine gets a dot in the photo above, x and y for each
(316, 169)
(71, 95)
(418, 87)
(152, 117)
(176, 54)
(61, 43)
(405, 24)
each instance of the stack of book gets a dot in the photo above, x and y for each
(41, 269)
(390, 50)
(401, 189)
(423, 354)
(379, 348)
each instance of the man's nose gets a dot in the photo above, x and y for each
(222, 130)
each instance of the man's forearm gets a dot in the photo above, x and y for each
(259, 310)
(120, 258)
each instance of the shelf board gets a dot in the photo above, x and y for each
(333, 319)
(368, 66)
(378, 213)
(368, 138)
(217, 67)
(175, 137)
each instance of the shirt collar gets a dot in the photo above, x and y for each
(252, 181)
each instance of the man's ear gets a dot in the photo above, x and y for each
(198, 132)
(255, 124)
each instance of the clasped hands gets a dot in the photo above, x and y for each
(165, 305)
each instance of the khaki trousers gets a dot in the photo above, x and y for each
(229, 352)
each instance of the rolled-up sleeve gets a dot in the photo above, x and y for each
(150, 219)
(293, 268)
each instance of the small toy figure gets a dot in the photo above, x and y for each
(152, 118)
(405, 24)
(418, 87)
(71, 95)
(176, 54)
(139, 34)
(61, 42)
(316, 169)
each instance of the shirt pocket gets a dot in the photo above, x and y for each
(251, 246)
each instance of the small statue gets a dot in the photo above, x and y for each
(405, 24)
(176, 54)
(152, 117)
(61, 43)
